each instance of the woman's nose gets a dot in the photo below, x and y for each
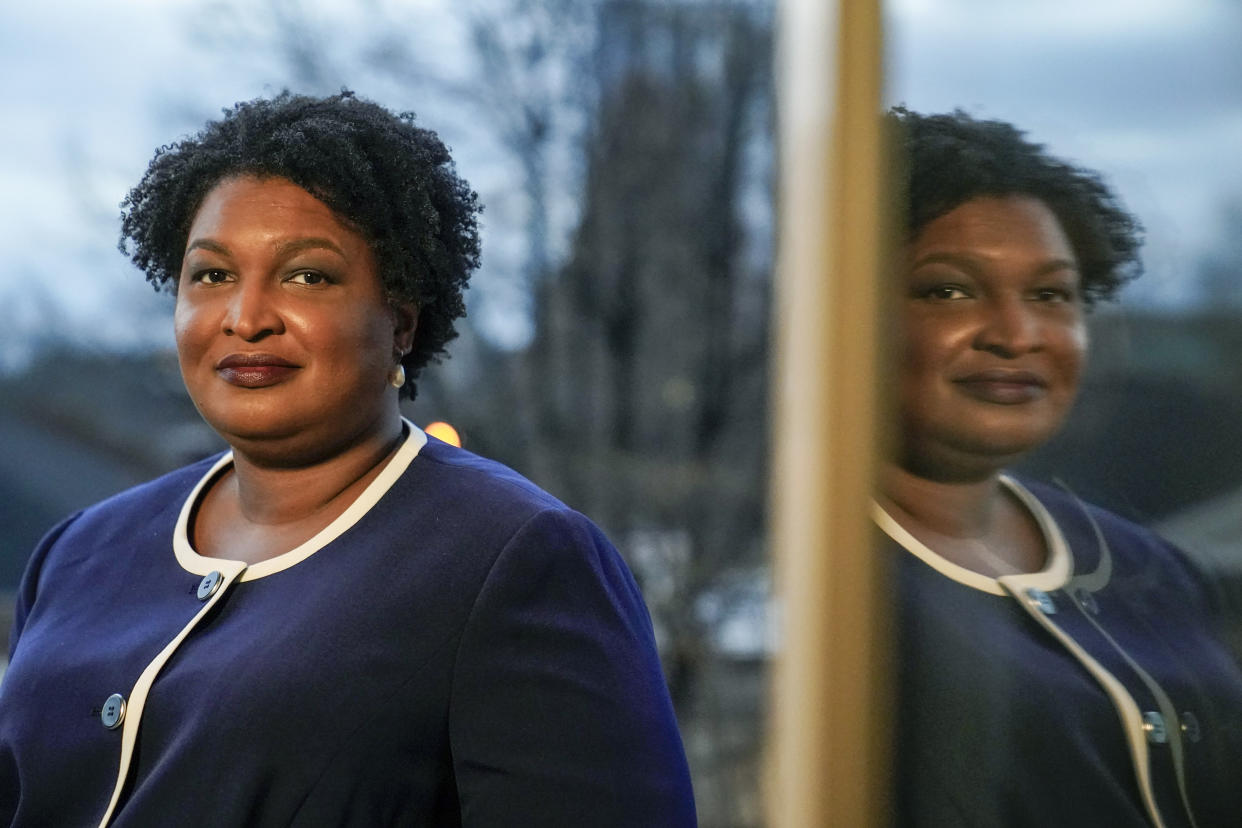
(1010, 327)
(252, 312)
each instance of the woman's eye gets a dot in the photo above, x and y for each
(946, 293)
(211, 277)
(307, 277)
(1054, 295)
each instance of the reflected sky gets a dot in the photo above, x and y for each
(1147, 92)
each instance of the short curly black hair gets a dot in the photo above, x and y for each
(952, 158)
(392, 181)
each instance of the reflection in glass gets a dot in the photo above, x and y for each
(1043, 645)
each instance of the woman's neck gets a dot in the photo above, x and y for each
(266, 505)
(956, 509)
(272, 493)
(976, 524)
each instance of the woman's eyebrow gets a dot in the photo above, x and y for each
(964, 260)
(969, 261)
(311, 243)
(285, 248)
(207, 244)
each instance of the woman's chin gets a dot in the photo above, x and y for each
(967, 461)
(254, 426)
(279, 436)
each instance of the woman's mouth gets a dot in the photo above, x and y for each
(254, 370)
(1003, 387)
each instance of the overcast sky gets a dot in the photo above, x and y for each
(91, 90)
(1146, 91)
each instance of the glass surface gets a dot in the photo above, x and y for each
(1147, 96)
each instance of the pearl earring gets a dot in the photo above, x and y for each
(396, 377)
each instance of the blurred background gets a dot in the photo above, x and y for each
(616, 348)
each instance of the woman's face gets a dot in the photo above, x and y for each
(994, 337)
(284, 332)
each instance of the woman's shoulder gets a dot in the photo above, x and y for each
(168, 491)
(121, 521)
(453, 494)
(1093, 531)
(132, 513)
(456, 476)
(1068, 507)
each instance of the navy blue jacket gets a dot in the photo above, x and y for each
(1093, 693)
(459, 648)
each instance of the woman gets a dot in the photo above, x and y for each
(1057, 664)
(341, 621)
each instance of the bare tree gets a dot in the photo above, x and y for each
(650, 347)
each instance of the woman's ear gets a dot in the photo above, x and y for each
(405, 323)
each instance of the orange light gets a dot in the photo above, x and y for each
(445, 432)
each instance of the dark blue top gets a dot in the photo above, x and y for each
(462, 650)
(1002, 719)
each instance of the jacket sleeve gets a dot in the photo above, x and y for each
(29, 587)
(559, 713)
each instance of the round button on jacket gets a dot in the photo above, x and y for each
(1153, 724)
(1087, 601)
(1041, 600)
(208, 586)
(1190, 726)
(113, 712)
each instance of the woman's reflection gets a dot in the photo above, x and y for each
(1058, 665)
